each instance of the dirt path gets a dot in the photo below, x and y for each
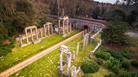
(36, 57)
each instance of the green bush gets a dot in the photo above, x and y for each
(127, 74)
(126, 64)
(99, 61)
(103, 55)
(4, 49)
(89, 67)
(134, 63)
(87, 75)
(113, 65)
(117, 55)
(111, 75)
(127, 54)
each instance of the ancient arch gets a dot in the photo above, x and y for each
(65, 50)
(48, 28)
(64, 25)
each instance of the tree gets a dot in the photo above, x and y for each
(114, 33)
(117, 14)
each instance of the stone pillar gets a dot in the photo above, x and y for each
(63, 27)
(74, 71)
(21, 40)
(70, 27)
(41, 31)
(59, 28)
(73, 55)
(69, 63)
(52, 31)
(86, 40)
(77, 48)
(67, 22)
(36, 33)
(48, 29)
(26, 36)
(44, 29)
(32, 35)
(61, 62)
(59, 23)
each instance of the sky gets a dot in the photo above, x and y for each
(106, 1)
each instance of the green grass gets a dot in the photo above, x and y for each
(19, 54)
(48, 65)
(101, 73)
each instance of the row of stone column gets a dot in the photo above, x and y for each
(34, 35)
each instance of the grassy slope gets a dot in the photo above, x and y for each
(47, 66)
(19, 54)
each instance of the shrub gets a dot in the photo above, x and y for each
(89, 67)
(103, 55)
(99, 61)
(111, 75)
(126, 64)
(134, 63)
(127, 54)
(117, 55)
(124, 74)
(87, 75)
(134, 74)
(113, 65)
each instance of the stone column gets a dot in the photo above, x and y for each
(36, 33)
(73, 55)
(61, 62)
(44, 30)
(31, 35)
(77, 48)
(21, 40)
(67, 22)
(59, 23)
(74, 71)
(70, 27)
(59, 28)
(63, 27)
(26, 36)
(48, 29)
(69, 63)
(41, 32)
(52, 29)
(86, 40)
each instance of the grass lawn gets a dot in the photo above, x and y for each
(101, 73)
(48, 65)
(19, 54)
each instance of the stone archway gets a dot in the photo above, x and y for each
(86, 28)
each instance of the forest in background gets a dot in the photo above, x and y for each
(15, 15)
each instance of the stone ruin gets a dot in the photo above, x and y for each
(74, 71)
(48, 29)
(86, 40)
(30, 37)
(65, 49)
(64, 25)
(34, 35)
(70, 71)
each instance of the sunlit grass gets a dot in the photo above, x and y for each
(19, 54)
(101, 73)
(48, 65)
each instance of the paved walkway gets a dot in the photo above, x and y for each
(27, 62)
